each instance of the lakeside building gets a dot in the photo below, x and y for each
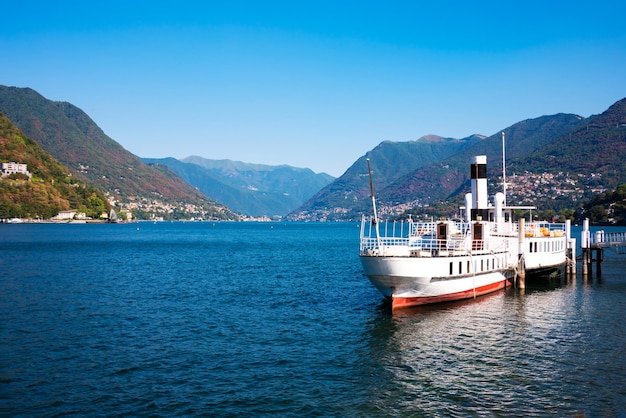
(65, 215)
(14, 168)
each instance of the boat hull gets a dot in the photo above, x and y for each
(409, 281)
(405, 302)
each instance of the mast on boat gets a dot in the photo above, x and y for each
(503, 168)
(369, 171)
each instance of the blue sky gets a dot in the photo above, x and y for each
(313, 84)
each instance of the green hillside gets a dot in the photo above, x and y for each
(606, 208)
(449, 177)
(349, 195)
(71, 137)
(51, 188)
(577, 165)
(597, 146)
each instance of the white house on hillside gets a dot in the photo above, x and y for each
(13, 168)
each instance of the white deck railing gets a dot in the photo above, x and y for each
(420, 239)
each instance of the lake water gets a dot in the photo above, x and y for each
(236, 319)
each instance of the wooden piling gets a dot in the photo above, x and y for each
(570, 264)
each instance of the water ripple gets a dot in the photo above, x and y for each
(230, 320)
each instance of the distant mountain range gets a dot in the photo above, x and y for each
(251, 189)
(165, 187)
(557, 161)
(349, 195)
(553, 161)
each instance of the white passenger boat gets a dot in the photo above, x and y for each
(416, 263)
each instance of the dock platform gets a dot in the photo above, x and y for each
(593, 246)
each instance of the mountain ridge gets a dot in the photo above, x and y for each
(74, 139)
(443, 179)
(447, 178)
(586, 152)
(251, 189)
(349, 194)
(225, 163)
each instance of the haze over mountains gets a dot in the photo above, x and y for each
(557, 160)
(251, 189)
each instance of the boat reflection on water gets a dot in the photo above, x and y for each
(510, 352)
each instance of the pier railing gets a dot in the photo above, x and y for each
(602, 239)
(596, 242)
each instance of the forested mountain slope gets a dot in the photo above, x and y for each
(50, 188)
(71, 137)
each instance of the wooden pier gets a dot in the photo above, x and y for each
(593, 246)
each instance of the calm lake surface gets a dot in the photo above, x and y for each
(235, 319)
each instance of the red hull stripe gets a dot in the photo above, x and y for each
(397, 302)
